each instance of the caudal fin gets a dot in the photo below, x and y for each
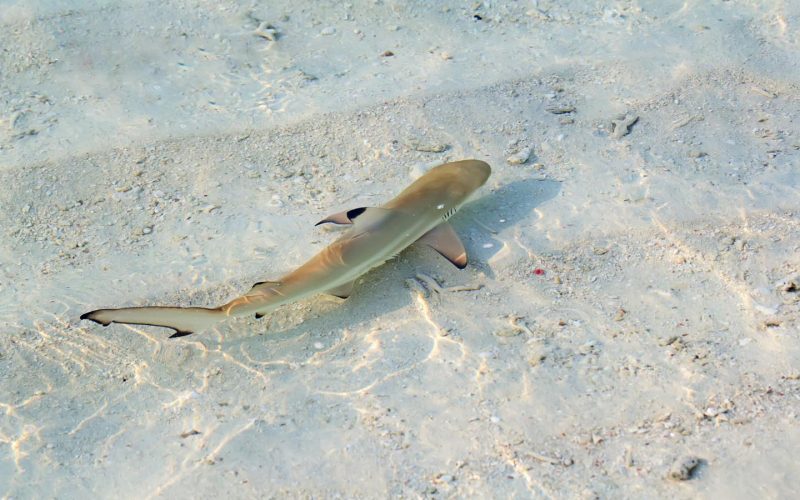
(184, 320)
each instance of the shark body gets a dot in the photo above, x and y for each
(418, 213)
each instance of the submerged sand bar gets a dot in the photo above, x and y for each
(627, 325)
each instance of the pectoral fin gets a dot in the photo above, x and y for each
(444, 240)
(342, 291)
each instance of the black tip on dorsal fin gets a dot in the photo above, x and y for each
(259, 315)
(352, 214)
(345, 217)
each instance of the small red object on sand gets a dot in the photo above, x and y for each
(538, 271)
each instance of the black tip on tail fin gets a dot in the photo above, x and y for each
(182, 321)
(91, 317)
(179, 334)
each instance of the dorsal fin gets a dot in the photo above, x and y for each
(346, 217)
(444, 240)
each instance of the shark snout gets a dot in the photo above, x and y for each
(472, 174)
(479, 171)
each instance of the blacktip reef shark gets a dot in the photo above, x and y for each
(378, 234)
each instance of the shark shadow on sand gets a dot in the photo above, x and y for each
(382, 291)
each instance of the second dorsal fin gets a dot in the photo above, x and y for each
(264, 285)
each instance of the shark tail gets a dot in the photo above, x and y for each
(184, 320)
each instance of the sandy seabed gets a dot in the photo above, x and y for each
(627, 327)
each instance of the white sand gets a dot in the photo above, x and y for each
(166, 153)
